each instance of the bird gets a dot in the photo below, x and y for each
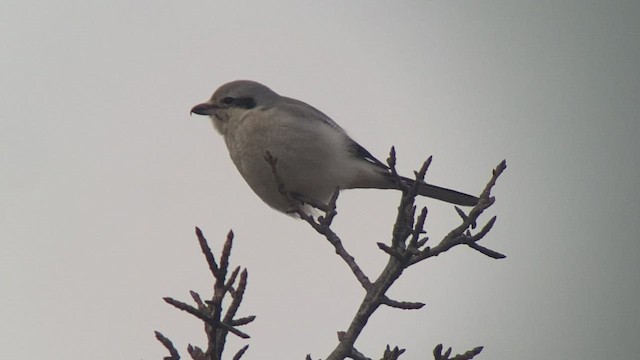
(313, 156)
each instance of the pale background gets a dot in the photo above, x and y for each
(103, 174)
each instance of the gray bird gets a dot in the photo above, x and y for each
(314, 155)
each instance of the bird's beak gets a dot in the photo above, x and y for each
(203, 109)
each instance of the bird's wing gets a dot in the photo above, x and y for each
(303, 110)
(364, 154)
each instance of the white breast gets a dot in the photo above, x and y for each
(312, 157)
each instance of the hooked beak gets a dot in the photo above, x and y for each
(203, 109)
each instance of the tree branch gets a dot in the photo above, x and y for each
(407, 248)
(322, 225)
(173, 353)
(392, 354)
(437, 353)
(404, 305)
(217, 325)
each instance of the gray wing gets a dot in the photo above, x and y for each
(305, 111)
(302, 110)
(365, 155)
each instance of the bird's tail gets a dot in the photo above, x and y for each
(440, 193)
(388, 181)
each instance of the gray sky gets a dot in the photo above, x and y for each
(103, 174)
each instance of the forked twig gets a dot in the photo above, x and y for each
(408, 247)
(216, 322)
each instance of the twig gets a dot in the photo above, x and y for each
(204, 317)
(392, 354)
(324, 229)
(407, 248)
(403, 255)
(243, 321)
(418, 230)
(196, 353)
(438, 355)
(240, 352)
(404, 305)
(213, 266)
(237, 298)
(210, 312)
(173, 353)
(323, 224)
(457, 236)
(357, 355)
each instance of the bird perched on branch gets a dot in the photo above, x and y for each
(313, 155)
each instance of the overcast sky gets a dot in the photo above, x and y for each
(103, 174)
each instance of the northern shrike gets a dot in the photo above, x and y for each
(315, 156)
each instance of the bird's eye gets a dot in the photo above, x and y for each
(228, 100)
(246, 102)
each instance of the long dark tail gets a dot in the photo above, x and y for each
(387, 181)
(447, 195)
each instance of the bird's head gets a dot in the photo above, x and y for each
(232, 100)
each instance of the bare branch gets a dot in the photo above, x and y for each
(240, 352)
(419, 176)
(407, 248)
(404, 305)
(464, 216)
(391, 251)
(332, 237)
(488, 252)
(196, 297)
(196, 353)
(403, 255)
(422, 242)
(232, 279)
(322, 226)
(237, 297)
(331, 212)
(485, 229)
(173, 353)
(242, 321)
(357, 355)
(210, 312)
(224, 258)
(204, 317)
(392, 354)
(459, 235)
(213, 266)
(392, 161)
(418, 230)
(437, 353)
